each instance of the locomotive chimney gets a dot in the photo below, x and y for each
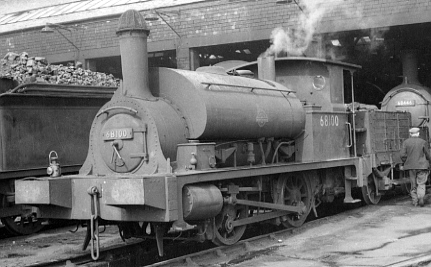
(410, 66)
(133, 32)
(266, 68)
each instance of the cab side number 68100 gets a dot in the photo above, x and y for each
(329, 120)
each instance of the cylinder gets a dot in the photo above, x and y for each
(201, 202)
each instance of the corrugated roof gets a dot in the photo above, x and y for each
(74, 7)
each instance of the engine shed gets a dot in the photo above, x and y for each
(188, 34)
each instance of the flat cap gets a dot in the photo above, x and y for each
(414, 130)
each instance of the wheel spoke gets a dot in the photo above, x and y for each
(19, 225)
(288, 190)
(300, 187)
(290, 182)
(369, 191)
(299, 181)
(223, 236)
(296, 190)
(22, 228)
(295, 181)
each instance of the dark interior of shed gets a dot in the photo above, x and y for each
(377, 50)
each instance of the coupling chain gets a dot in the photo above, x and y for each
(94, 222)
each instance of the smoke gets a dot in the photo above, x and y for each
(294, 41)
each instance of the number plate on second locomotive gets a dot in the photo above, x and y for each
(406, 103)
(113, 134)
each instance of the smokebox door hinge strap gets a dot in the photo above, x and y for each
(144, 153)
(94, 222)
(107, 110)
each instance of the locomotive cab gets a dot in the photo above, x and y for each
(317, 82)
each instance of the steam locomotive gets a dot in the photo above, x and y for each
(35, 120)
(208, 153)
(411, 96)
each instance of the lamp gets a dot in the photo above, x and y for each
(283, 2)
(47, 29)
(152, 17)
(50, 27)
(159, 15)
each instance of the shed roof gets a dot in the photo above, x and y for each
(79, 10)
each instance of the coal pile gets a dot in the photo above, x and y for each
(25, 69)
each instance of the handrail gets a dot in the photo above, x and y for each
(62, 88)
(349, 126)
(248, 87)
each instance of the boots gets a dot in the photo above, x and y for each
(414, 196)
(421, 201)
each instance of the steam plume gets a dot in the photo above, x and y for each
(295, 41)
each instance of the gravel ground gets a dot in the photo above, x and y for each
(392, 233)
(49, 246)
(382, 235)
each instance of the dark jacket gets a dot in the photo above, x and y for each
(415, 154)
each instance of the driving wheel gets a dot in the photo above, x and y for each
(225, 233)
(294, 190)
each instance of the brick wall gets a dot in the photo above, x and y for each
(215, 22)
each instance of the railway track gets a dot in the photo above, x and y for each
(119, 255)
(228, 255)
(142, 253)
(35, 250)
(138, 252)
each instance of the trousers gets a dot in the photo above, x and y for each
(418, 178)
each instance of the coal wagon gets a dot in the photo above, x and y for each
(36, 119)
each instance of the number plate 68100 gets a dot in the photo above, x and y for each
(114, 134)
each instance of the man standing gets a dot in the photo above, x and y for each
(415, 155)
